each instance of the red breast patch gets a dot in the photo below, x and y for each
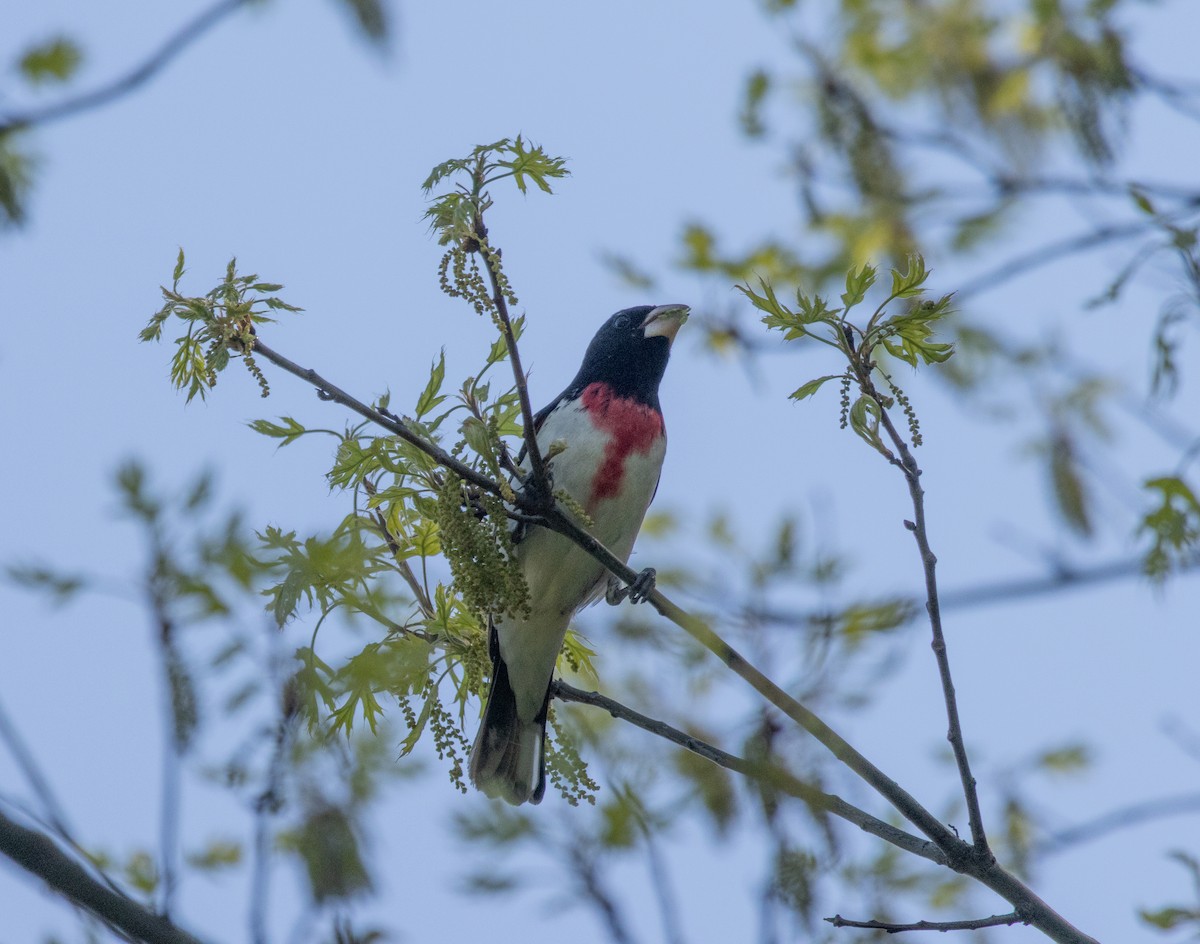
(631, 427)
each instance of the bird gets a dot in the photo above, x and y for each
(609, 441)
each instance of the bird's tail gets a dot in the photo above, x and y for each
(508, 759)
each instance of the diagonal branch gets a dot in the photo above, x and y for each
(40, 855)
(1051, 252)
(393, 425)
(772, 775)
(55, 814)
(176, 44)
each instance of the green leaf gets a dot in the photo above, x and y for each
(54, 61)
(1174, 526)
(767, 301)
(857, 284)
(808, 389)
(753, 96)
(430, 397)
(864, 420)
(1167, 919)
(533, 163)
(1142, 201)
(288, 433)
(141, 872)
(1069, 491)
(1071, 759)
(908, 283)
(218, 854)
(16, 175)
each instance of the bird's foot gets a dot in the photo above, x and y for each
(637, 592)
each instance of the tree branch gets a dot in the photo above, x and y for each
(176, 44)
(328, 391)
(912, 475)
(1051, 252)
(537, 464)
(772, 775)
(971, 924)
(1063, 576)
(41, 856)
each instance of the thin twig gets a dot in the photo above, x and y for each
(394, 426)
(1051, 252)
(970, 924)
(176, 44)
(912, 475)
(537, 464)
(39, 855)
(771, 775)
(401, 563)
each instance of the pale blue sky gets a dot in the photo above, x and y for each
(283, 139)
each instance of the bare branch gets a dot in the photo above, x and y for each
(38, 854)
(537, 464)
(1052, 252)
(96, 98)
(912, 475)
(971, 924)
(770, 774)
(1063, 576)
(393, 425)
(402, 565)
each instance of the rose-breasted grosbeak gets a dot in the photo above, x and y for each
(612, 427)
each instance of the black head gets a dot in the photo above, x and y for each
(630, 351)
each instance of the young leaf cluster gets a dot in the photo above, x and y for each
(217, 324)
(456, 216)
(907, 335)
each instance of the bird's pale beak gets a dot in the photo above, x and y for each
(665, 321)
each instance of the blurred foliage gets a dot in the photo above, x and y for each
(52, 61)
(909, 130)
(942, 127)
(220, 321)
(1174, 918)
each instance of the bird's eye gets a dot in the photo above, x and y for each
(621, 323)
